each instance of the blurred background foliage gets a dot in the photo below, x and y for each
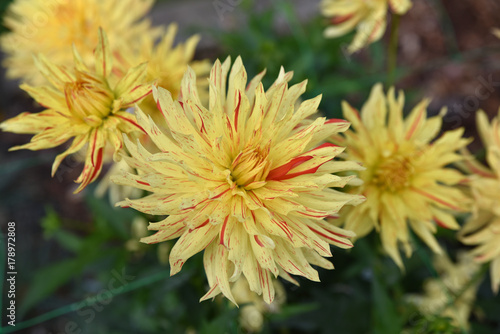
(70, 248)
(301, 48)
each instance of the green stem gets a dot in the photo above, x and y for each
(90, 301)
(451, 42)
(393, 49)
(423, 255)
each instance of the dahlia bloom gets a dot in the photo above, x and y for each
(81, 104)
(483, 229)
(50, 27)
(167, 64)
(247, 180)
(368, 17)
(406, 182)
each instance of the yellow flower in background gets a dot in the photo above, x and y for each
(496, 32)
(441, 293)
(167, 64)
(247, 180)
(483, 229)
(81, 104)
(50, 27)
(137, 231)
(406, 182)
(368, 17)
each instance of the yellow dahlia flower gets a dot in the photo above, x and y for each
(81, 104)
(483, 229)
(245, 179)
(167, 64)
(441, 293)
(50, 27)
(368, 17)
(405, 181)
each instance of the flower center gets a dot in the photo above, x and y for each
(250, 165)
(393, 173)
(89, 99)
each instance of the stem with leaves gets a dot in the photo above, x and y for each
(392, 52)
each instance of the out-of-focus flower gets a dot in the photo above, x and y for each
(483, 229)
(50, 27)
(138, 230)
(254, 308)
(81, 104)
(368, 17)
(496, 32)
(167, 64)
(440, 298)
(246, 180)
(406, 181)
(163, 252)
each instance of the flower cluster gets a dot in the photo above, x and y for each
(89, 94)
(247, 175)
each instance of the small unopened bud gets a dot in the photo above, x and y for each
(139, 228)
(251, 319)
(164, 252)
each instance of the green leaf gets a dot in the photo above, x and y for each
(52, 228)
(69, 240)
(116, 219)
(50, 278)
(51, 222)
(10, 170)
(46, 281)
(288, 311)
(224, 323)
(385, 318)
